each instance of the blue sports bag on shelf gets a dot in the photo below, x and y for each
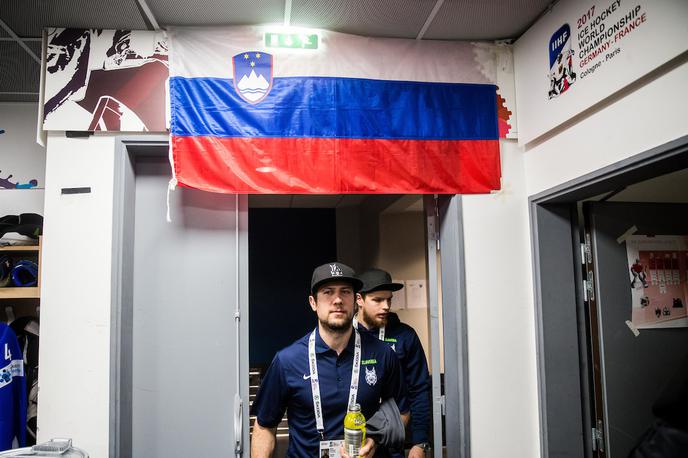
(25, 273)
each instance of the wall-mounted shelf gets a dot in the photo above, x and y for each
(31, 292)
(15, 249)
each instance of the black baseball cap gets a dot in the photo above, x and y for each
(378, 280)
(334, 271)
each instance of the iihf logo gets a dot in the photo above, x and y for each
(371, 376)
(561, 74)
(335, 271)
(252, 75)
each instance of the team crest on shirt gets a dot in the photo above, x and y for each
(371, 376)
(252, 75)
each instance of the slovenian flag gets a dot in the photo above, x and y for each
(355, 115)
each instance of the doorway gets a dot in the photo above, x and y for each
(180, 307)
(179, 348)
(284, 246)
(641, 321)
(184, 336)
(598, 380)
(290, 235)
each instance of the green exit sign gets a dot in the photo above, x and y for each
(291, 40)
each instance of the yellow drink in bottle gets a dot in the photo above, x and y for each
(354, 430)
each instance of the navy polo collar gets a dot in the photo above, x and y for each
(322, 347)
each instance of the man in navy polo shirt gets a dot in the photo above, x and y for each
(374, 317)
(318, 376)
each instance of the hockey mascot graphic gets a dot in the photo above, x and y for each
(370, 376)
(561, 75)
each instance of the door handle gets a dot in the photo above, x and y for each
(238, 424)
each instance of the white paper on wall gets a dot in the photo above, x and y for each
(399, 298)
(416, 294)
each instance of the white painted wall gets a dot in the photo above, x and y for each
(21, 157)
(75, 293)
(646, 117)
(646, 113)
(402, 253)
(500, 317)
(659, 34)
(16, 201)
(504, 406)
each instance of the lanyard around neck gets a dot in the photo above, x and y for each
(315, 382)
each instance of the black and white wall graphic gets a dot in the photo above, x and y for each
(109, 80)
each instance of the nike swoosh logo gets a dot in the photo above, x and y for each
(306, 377)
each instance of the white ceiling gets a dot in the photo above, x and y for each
(669, 188)
(21, 21)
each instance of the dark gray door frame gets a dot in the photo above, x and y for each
(561, 343)
(445, 266)
(455, 330)
(122, 287)
(455, 400)
(127, 149)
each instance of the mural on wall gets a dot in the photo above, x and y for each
(107, 80)
(8, 183)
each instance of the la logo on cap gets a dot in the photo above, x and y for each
(335, 271)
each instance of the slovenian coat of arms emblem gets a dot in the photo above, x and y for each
(252, 75)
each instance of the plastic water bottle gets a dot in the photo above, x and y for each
(354, 430)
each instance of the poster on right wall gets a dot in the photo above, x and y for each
(658, 276)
